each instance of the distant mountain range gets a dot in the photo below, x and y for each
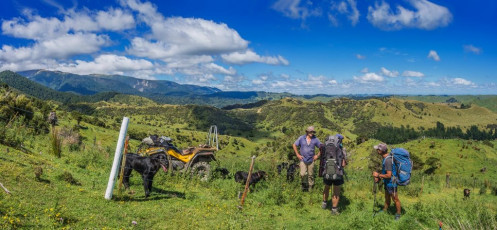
(92, 84)
(74, 88)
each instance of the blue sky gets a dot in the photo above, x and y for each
(296, 46)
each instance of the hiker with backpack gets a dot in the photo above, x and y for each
(333, 161)
(396, 170)
(307, 156)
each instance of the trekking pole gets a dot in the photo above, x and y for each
(247, 183)
(375, 188)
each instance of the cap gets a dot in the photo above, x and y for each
(381, 146)
(310, 129)
(339, 136)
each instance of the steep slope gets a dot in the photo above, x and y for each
(91, 84)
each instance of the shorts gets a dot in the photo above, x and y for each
(333, 182)
(390, 190)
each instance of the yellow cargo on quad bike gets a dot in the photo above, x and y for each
(195, 160)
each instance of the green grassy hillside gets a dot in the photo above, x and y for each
(68, 192)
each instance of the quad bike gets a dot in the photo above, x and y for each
(193, 160)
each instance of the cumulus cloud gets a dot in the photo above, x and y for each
(187, 36)
(433, 55)
(38, 28)
(75, 33)
(462, 82)
(107, 64)
(426, 15)
(409, 73)
(73, 41)
(347, 8)
(249, 56)
(63, 47)
(369, 78)
(285, 76)
(294, 9)
(472, 49)
(388, 73)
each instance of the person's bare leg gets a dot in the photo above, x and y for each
(395, 198)
(387, 201)
(336, 196)
(326, 193)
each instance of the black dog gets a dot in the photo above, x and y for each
(290, 172)
(241, 177)
(282, 166)
(146, 166)
(467, 192)
(223, 172)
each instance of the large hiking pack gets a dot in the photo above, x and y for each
(403, 166)
(333, 157)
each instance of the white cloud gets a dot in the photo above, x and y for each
(333, 82)
(62, 47)
(282, 85)
(462, 82)
(187, 36)
(365, 70)
(348, 8)
(369, 78)
(426, 15)
(433, 55)
(285, 76)
(257, 82)
(294, 9)
(432, 84)
(409, 73)
(249, 56)
(388, 73)
(360, 57)
(472, 49)
(40, 29)
(107, 64)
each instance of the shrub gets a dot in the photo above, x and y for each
(67, 177)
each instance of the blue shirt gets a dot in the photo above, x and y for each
(307, 150)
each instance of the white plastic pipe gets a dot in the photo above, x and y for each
(117, 159)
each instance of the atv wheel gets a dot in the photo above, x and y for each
(201, 170)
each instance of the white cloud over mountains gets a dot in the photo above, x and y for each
(369, 78)
(77, 39)
(249, 56)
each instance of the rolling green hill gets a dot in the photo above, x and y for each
(67, 192)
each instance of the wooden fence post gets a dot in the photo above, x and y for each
(247, 183)
(123, 163)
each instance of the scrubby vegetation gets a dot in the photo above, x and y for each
(67, 192)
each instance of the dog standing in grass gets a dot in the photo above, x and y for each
(146, 166)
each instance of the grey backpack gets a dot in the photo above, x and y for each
(333, 157)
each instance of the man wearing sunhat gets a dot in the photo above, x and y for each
(307, 143)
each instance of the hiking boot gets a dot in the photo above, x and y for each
(334, 211)
(397, 216)
(324, 205)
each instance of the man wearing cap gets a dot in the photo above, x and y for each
(307, 144)
(386, 174)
